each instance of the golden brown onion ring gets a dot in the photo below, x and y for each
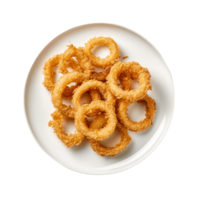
(59, 88)
(83, 62)
(96, 134)
(49, 74)
(132, 125)
(102, 62)
(92, 84)
(98, 123)
(132, 68)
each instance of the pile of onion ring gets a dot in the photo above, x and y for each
(110, 92)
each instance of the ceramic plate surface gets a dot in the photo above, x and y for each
(82, 158)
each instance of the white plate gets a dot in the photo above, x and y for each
(82, 158)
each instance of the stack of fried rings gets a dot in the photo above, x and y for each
(109, 100)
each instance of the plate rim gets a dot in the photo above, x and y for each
(144, 155)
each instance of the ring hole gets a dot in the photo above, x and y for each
(102, 95)
(112, 140)
(58, 75)
(136, 111)
(67, 100)
(90, 119)
(119, 84)
(134, 84)
(69, 126)
(86, 98)
(100, 123)
(101, 51)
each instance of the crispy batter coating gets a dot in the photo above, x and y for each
(92, 84)
(49, 74)
(96, 134)
(100, 76)
(109, 101)
(84, 65)
(56, 124)
(98, 123)
(59, 88)
(102, 62)
(143, 124)
(68, 91)
(131, 67)
(121, 108)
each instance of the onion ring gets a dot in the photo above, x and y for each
(96, 134)
(132, 125)
(131, 67)
(49, 74)
(83, 62)
(68, 140)
(102, 62)
(98, 123)
(59, 88)
(92, 84)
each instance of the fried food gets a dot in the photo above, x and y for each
(102, 62)
(96, 134)
(100, 76)
(56, 124)
(130, 67)
(59, 88)
(110, 91)
(92, 84)
(141, 125)
(83, 63)
(49, 74)
(98, 123)
(122, 105)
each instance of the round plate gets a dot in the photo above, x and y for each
(82, 158)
